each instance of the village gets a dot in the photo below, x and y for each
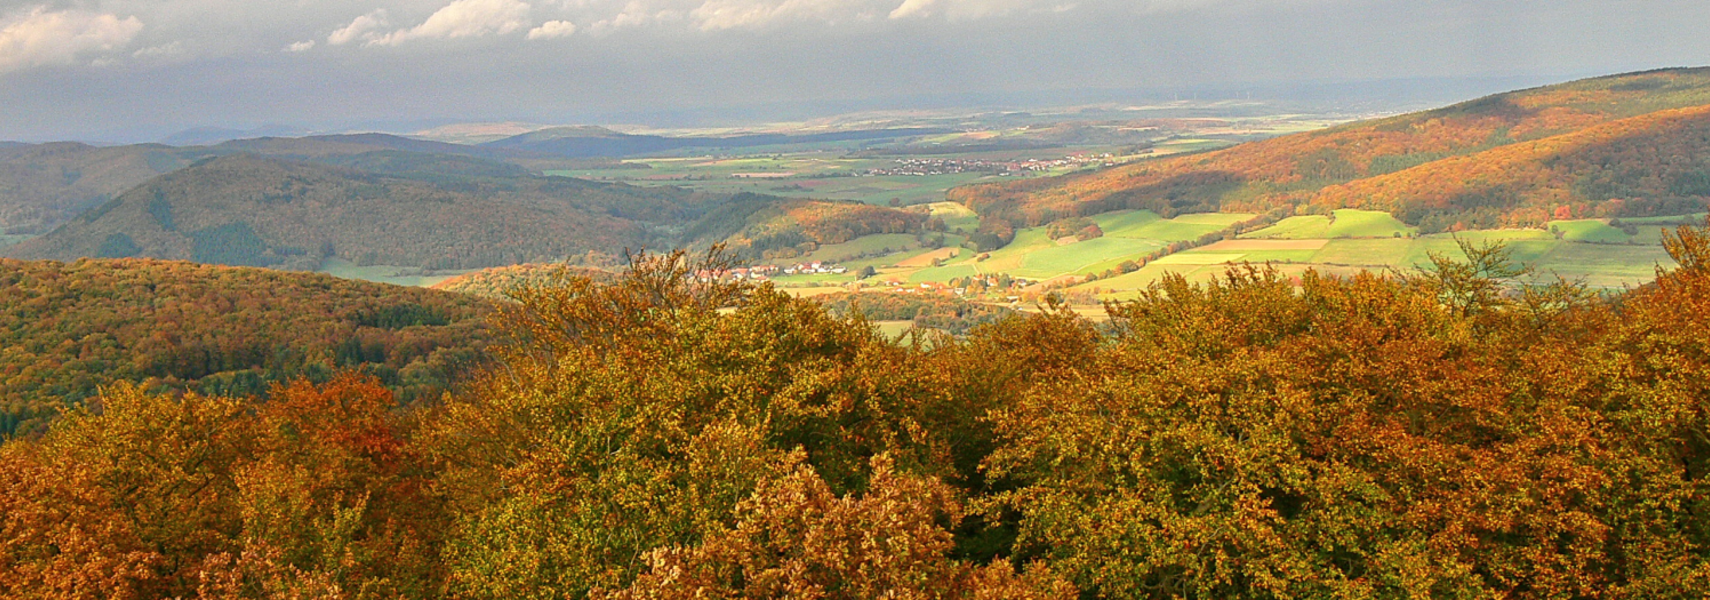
(766, 272)
(921, 167)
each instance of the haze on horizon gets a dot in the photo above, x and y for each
(136, 70)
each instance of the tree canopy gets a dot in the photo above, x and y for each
(1447, 433)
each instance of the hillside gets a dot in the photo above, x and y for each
(247, 210)
(1508, 159)
(45, 185)
(438, 212)
(67, 329)
(767, 227)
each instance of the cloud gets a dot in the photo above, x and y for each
(913, 8)
(552, 29)
(719, 15)
(303, 46)
(40, 38)
(164, 50)
(362, 28)
(973, 9)
(464, 18)
(714, 15)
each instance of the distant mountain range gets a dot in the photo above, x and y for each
(203, 136)
(583, 142)
(1625, 145)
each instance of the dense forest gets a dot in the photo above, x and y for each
(44, 185)
(66, 329)
(1446, 433)
(925, 311)
(1516, 159)
(497, 283)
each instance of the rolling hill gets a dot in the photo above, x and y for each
(1513, 159)
(45, 185)
(254, 211)
(436, 212)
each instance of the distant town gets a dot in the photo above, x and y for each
(946, 166)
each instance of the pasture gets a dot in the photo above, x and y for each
(393, 274)
(1344, 223)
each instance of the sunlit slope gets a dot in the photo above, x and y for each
(1653, 164)
(1296, 170)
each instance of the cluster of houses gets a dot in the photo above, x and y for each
(765, 272)
(943, 166)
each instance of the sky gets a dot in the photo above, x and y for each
(135, 70)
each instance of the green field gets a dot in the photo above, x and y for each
(1144, 224)
(1605, 266)
(955, 216)
(871, 244)
(395, 275)
(944, 273)
(1126, 223)
(1346, 223)
(1050, 262)
(1129, 235)
(1598, 265)
(1589, 230)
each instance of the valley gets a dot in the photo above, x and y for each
(831, 300)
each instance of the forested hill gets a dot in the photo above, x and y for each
(435, 212)
(44, 185)
(249, 210)
(1514, 159)
(1447, 433)
(68, 328)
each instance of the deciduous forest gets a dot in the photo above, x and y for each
(66, 329)
(1446, 433)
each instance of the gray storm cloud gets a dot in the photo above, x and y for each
(71, 67)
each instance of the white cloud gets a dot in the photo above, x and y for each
(362, 28)
(552, 29)
(715, 15)
(732, 14)
(464, 18)
(972, 9)
(172, 49)
(303, 46)
(913, 8)
(40, 37)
